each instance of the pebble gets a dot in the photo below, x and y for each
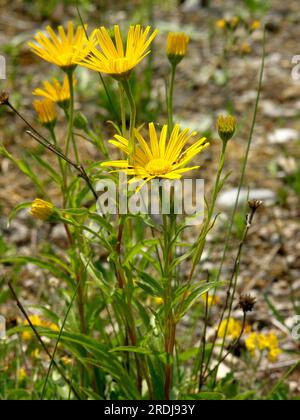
(283, 135)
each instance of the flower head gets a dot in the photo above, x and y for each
(211, 300)
(159, 300)
(230, 328)
(115, 59)
(63, 49)
(255, 25)
(41, 209)
(247, 303)
(46, 112)
(263, 342)
(221, 23)
(22, 374)
(36, 321)
(226, 127)
(163, 158)
(177, 43)
(56, 92)
(4, 98)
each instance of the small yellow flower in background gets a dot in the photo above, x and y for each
(274, 354)
(115, 59)
(251, 342)
(159, 300)
(41, 209)
(46, 112)
(53, 327)
(234, 329)
(163, 158)
(226, 126)
(221, 23)
(255, 25)
(63, 49)
(177, 43)
(263, 342)
(36, 321)
(56, 92)
(22, 375)
(36, 354)
(67, 360)
(212, 300)
(245, 48)
(234, 23)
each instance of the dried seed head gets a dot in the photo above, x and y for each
(4, 98)
(226, 126)
(247, 303)
(254, 204)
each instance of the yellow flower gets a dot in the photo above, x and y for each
(67, 360)
(164, 158)
(255, 25)
(22, 375)
(36, 321)
(177, 43)
(113, 58)
(252, 342)
(54, 327)
(36, 354)
(274, 354)
(56, 92)
(262, 342)
(226, 126)
(212, 300)
(234, 22)
(159, 300)
(245, 48)
(46, 112)
(221, 23)
(42, 210)
(63, 49)
(234, 329)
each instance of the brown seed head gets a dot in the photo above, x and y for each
(247, 303)
(4, 98)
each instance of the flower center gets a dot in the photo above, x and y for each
(158, 167)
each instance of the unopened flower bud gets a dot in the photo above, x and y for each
(177, 46)
(42, 210)
(226, 127)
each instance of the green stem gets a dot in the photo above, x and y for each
(60, 161)
(123, 109)
(71, 116)
(201, 241)
(170, 98)
(127, 88)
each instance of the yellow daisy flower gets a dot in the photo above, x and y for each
(46, 111)
(63, 49)
(56, 92)
(164, 158)
(113, 58)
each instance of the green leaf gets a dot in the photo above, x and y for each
(130, 349)
(16, 210)
(210, 396)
